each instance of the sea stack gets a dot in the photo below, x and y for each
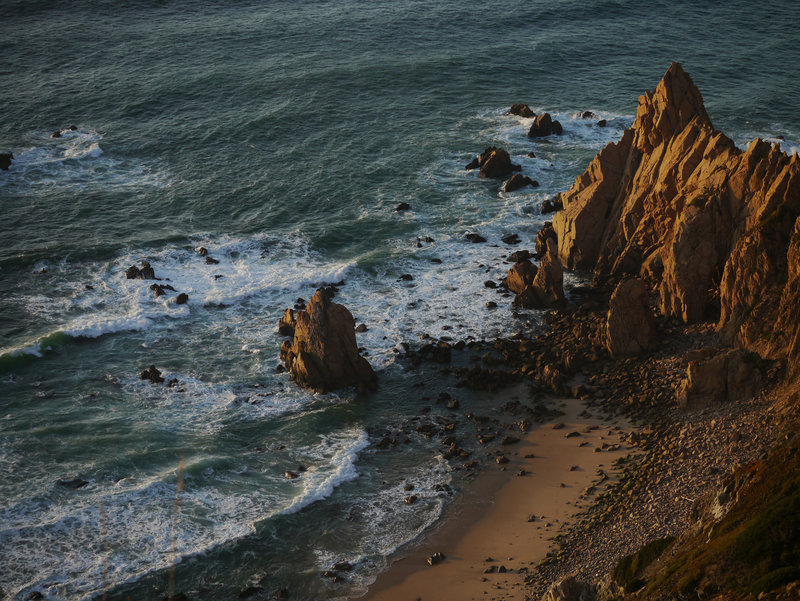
(323, 355)
(711, 227)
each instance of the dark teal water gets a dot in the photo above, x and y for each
(281, 136)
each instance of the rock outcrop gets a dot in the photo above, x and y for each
(323, 355)
(538, 288)
(494, 162)
(630, 325)
(544, 125)
(711, 227)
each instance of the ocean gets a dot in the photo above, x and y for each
(281, 136)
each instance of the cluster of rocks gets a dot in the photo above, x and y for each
(543, 124)
(145, 271)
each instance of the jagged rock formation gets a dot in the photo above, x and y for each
(712, 227)
(630, 325)
(323, 355)
(538, 287)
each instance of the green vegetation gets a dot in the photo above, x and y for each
(755, 548)
(628, 572)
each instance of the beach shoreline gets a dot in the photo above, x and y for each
(508, 518)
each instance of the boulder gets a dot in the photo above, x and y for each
(5, 160)
(511, 239)
(519, 255)
(496, 163)
(182, 299)
(569, 589)
(521, 110)
(475, 238)
(286, 323)
(543, 126)
(518, 181)
(725, 376)
(324, 355)
(521, 275)
(402, 207)
(147, 272)
(630, 325)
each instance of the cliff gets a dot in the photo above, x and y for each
(716, 230)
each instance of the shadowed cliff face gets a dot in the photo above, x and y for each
(713, 228)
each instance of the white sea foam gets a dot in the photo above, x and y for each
(77, 159)
(62, 548)
(339, 454)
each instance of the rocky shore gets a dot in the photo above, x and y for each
(689, 329)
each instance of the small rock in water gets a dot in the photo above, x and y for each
(411, 500)
(281, 593)
(475, 238)
(182, 299)
(211, 261)
(343, 566)
(406, 277)
(249, 592)
(202, 251)
(152, 374)
(403, 206)
(289, 475)
(511, 239)
(437, 557)
(73, 483)
(602, 123)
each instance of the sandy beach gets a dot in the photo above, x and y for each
(507, 520)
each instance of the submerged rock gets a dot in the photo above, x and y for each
(324, 355)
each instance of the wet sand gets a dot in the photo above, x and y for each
(507, 516)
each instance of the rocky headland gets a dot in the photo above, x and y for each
(690, 329)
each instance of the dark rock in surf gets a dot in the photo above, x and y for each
(403, 206)
(518, 181)
(602, 123)
(152, 374)
(182, 299)
(475, 238)
(202, 251)
(521, 110)
(511, 239)
(73, 483)
(211, 261)
(544, 126)
(5, 160)
(520, 255)
(147, 272)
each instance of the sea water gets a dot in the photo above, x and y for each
(281, 136)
